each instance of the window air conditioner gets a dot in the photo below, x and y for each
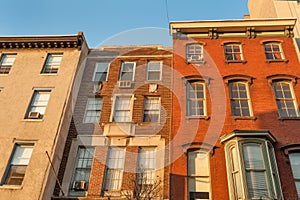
(79, 185)
(34, 115)
(124, 84)
(97, 87)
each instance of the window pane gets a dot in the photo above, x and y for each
(7, 60)
(122, 109)
(194, 52)
(151, 109)
(195, 99)
(295, 164)
(127, 71)
(52, 63)
(93, 110)
(101, 70)
(240, 101)
(39, 102)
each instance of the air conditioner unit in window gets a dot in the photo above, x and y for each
(79, 185)
(194, 58)
(97, 87)
(124, 84)
(34, 115)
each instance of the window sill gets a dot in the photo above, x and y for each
(195, 62)
(33, 120)
(288, 118)
(149, 123)
(278, 60)
(48, 74)
(2, 74)
(11, 187)
(235, 61)
(197, 117)
(244, 118)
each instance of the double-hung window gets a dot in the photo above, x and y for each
(38, 104)
(199, 185)
(114, 168)
(196, 103)
(127, 71)
(18, 164)
(273, 51)
(233, 52)
(122, 108)
(194, 53)
(285, 99)
(151, 109)
(93, 110)
(6, 62)
(52, 63)
(240, 98)
(146, 166)
(154, 70)
(251, 165)
(82, 171)
(101, 70)
(295, 164)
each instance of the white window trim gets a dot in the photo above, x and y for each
(160, 70)
(238, 144)
(241, 51)
(248, 98)
(280, 48)
(133, 70)
(201, 53)
(114, 104)
(204, 100)
(293, 97)
(94, 74)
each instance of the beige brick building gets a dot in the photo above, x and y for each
(37, 74)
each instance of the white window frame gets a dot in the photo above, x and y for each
(285, 99)
(18, 158)
(190, 100)
(295, 166)
(233, 53)
(238, 186)
(122, 71)
(114, 169)
(152, 110)
(192, 52)
(6, 67)
(131, 97)
(96, 71)
(52, 67)
(272, 52)
(200, 174)
(40, 104)
(146, 169)
(149, 71)
(240, 99)
(95, 109)
(82, 164)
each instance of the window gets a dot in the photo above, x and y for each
(250, 161)
(295, 164)
(273, 51)
(52, 63)
(127, 71)
(233, 52)
(7, 60)
(83, 167)
(239, 99)
(196, 98)
(198, 175)
(93, 110)
(151, 109)
(114, 168)
(38, 104)
(285, 99)
(146, 166)
(18, 164)
(122, 109)
(154, 69)
(101, 71)
(194, 52)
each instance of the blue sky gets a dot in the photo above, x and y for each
(106, 22)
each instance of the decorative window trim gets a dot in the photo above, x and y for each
(204, 79)
(232, 42)
(287, 149)
(279, 77)
(238, 77)
(271, 40)
(199, 145)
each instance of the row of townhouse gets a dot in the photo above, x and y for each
(214, 117)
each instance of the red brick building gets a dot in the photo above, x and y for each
(119, 136)
(235, 110)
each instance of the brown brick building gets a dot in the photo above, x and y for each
(235, 110)
(119, 136)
